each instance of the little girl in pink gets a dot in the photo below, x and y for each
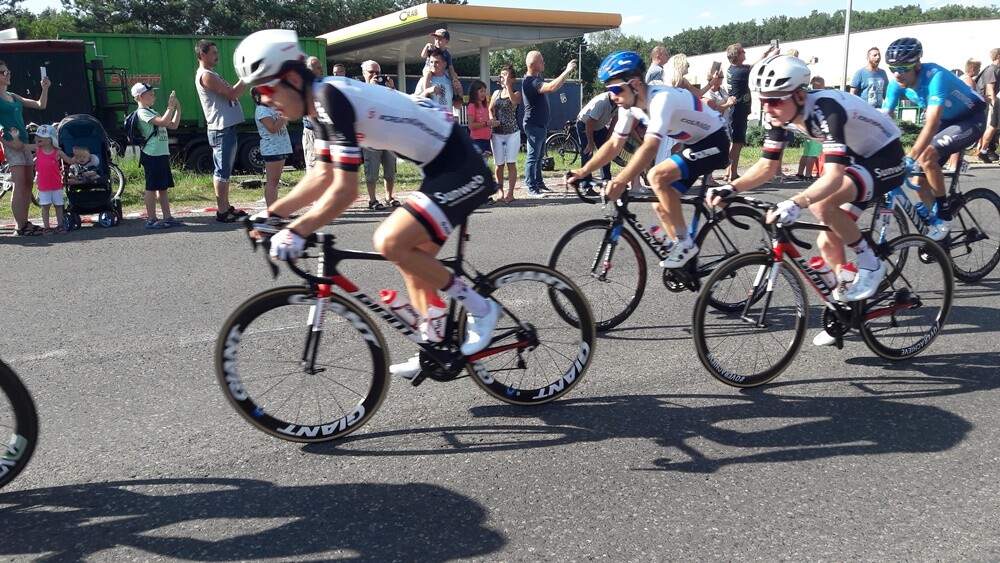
(50, 185)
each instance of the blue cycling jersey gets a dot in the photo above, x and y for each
(936, 86)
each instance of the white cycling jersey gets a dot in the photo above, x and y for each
(354, 114)
(674, 113)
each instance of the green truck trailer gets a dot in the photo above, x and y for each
(169, 62)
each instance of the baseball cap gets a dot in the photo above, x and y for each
(140, 88)
(47, 131)
(443, 33)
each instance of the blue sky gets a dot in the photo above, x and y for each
(654, 20)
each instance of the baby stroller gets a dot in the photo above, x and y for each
(100, 195)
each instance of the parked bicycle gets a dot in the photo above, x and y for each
(306, 363)
(563, 147)
(7, 184)
(608, 264)
(18, 417)
(973, 243)
(755, 343)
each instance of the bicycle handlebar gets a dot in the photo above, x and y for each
(575, 184)
(788, 229)
(260, 232)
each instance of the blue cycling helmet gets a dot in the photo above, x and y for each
(619, 63)
(904, 51)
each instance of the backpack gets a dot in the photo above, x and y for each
(133, 135)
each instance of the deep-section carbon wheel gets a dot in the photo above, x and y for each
(19, 421)
(610, 271)
(974, 240)
(755, 343)
(295, 383)
(912, 304)
(536, 355)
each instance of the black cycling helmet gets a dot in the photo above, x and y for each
(904, 51)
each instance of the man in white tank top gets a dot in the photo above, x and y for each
(223, 113)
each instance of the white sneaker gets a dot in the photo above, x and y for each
(824, 338)
(938, 229)
(480, 330)
(679, 255)
(866, 284)
(408, 369)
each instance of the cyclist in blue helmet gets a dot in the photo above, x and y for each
(670, 115)
(954, 120)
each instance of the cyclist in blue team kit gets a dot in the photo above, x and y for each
(955, 119)
(347, 115)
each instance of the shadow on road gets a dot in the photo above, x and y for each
(220, 519)
(703, 433)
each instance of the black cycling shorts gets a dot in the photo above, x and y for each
(455, 183)
(875, 176)
(958, 134)
(704, 157)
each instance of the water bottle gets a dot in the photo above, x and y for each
(437, 318)
(824, 271)
(401, 306)
(847, 274)
(657, 234)
(922, 210)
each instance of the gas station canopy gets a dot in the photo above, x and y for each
(475, 30)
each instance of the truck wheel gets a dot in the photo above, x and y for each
(250, 158)
(199, 159)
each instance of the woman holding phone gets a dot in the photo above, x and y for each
(15, 139)
(506, 138)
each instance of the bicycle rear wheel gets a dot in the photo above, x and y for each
(19, 418)
(563, 150)
(292, 382)
(536, 355)
(754, 344)
(974, 241)
(610, 271)
(912, 304)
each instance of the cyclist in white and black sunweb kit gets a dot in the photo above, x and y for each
(863, 160)
(347, 115)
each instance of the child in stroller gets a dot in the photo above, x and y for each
(94, 185)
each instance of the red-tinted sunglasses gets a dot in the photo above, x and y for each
(267, 88)
(775, 102)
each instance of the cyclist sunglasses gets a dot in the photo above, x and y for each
(775, 102)
(616, 89)
(903, 69)
(267, 88)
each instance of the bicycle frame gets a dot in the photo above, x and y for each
(898, 196)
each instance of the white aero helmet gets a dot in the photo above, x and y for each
(779, 73)
(266, 54)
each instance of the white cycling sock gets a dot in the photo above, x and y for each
(472, 301)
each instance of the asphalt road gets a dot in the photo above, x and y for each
(843, 458)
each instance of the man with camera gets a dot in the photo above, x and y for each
(372, 73)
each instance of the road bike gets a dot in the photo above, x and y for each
(973, 243)
(563, 147)
(606, 261)
(306, 363)
(754, 344)
(18, 417)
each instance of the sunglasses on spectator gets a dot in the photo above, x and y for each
(903, 69)
(776, 101)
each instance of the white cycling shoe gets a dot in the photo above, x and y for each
(866, 284)
(408, 369)
(480, 329)
(825, 339)
(679, 255)
(938, 230)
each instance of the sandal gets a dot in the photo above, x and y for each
(60, 230)
(375, 205)
(29, 230)
(171, 222)
(157, 224)
(47, 231)
(393, 202)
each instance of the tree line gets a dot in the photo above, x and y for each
(316, 17)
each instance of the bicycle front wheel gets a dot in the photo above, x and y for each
(19, 419)
(536, 355)
(755, 343)
(609, 270)
(563, 150)
(912, 304)
(741, 232)
(294, 381)
(974, 241)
